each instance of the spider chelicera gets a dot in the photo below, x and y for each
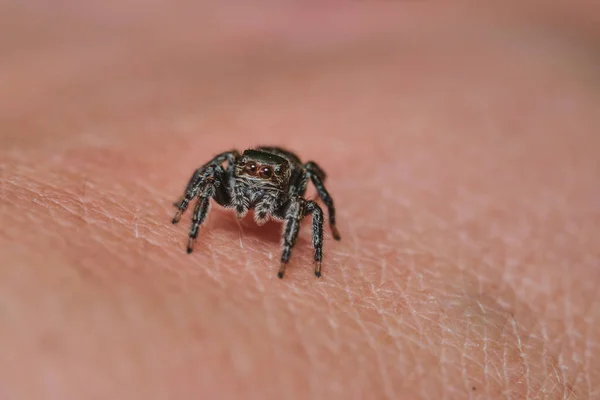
(269, 180)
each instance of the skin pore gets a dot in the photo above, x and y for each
(460, 147)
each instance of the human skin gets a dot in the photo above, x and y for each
(461, 149)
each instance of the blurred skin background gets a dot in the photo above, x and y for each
(461, 148)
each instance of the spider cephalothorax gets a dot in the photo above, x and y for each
(269, 180)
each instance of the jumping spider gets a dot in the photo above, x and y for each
(271, 181)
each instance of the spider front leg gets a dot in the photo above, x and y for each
(318, 177)
(200, 212)
(203, 178)
(297, 210)
(217, 188)
(293, 216)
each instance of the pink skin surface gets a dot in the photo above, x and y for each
(462, 150)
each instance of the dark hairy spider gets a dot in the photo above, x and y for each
(269, 180)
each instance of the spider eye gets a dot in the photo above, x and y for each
(251, 168)
(266, 172)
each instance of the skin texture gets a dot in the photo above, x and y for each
(461, 148)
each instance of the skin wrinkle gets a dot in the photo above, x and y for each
(306, 348)
(387, 385)
(355, 314)
(587, 356)
(523, 358)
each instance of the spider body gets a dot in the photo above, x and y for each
(269, 180)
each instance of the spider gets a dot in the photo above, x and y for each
(269, 180)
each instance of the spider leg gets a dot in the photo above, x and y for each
(293, 216)
(219, 191)
(317, 233)
(296, 211)
(317, 176)
(200, 212)
(298, 183)
(203, 178)
(198, 182)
